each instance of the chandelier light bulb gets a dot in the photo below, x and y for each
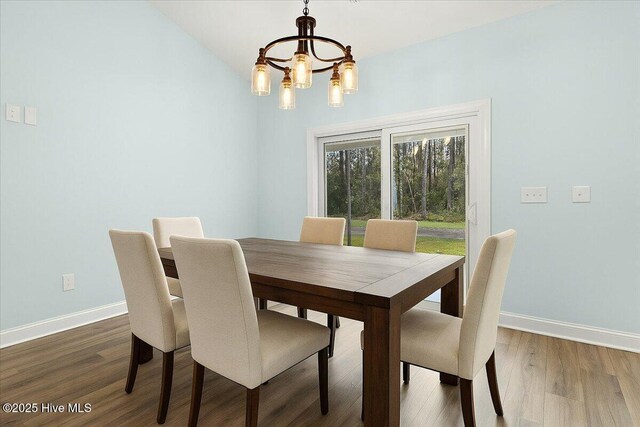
(336, 99)
(287, 93)
(302, 70)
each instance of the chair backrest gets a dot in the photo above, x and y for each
(221, 314)
(392, 235)
(145, 288)
(480, 318)
(163, 228)
(328, 231)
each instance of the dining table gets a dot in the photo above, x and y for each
(369, 285)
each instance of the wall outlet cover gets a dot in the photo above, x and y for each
(533, 195)
(581, 194)
(13, 113)
(68, 282)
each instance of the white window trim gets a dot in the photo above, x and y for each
(477, 111)
(481, 109)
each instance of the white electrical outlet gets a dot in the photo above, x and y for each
(581, 194)
(533, 195)
(13, 113)
(68, 282)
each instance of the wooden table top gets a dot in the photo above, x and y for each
(348, 273)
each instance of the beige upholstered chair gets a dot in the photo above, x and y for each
(461, 347)
(326, 231)
(154, 318)
(163, 228)
(392, 235)
(228, 335)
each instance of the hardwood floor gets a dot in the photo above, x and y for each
(543, 381)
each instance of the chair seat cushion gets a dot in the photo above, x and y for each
(287, 340)
(180, 320)
(431, 340)
(174, 287)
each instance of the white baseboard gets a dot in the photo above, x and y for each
(12, 336)
(553, 328)
(571, 331)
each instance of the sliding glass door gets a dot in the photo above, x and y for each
(431, 166)
(429, 185)
(352, 182)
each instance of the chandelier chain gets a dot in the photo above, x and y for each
(305, 11)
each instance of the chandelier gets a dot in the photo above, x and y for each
(298, 70)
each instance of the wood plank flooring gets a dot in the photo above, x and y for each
(543, 381)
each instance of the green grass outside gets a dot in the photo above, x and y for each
(432, 245)
(422, 224)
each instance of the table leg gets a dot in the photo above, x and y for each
(382, 366)
(451, 303)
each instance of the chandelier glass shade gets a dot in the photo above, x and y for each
(299, 68)
(260, 80)
(287, 99)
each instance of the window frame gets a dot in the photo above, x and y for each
(475, 114)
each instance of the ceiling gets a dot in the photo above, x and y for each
(234, 30)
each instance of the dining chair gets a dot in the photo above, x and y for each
(391, 235)
(230, 337)
(155, 319)
(461, 347)
(322, 230)
(326, 231)
(165, 227)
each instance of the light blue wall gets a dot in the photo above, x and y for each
(126, 100)
(565, 88)
(135, 120)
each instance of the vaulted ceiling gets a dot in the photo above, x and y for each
(234, 30)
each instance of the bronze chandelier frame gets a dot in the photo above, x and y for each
(306, 44)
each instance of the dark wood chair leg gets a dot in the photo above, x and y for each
(406, 372)
(337, 321)
(165, 389)
(263, 304)
(133, 363)
(363, 389)
(448, 379)
(302, 313)
(146, 352)
(196, 393)
(323, 377)
(493, 384)
(253, 400)
(331, 324)
(466, 399)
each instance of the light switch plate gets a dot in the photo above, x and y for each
(13, 113)
(581, 194)
(533, 195)
(30, 115)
